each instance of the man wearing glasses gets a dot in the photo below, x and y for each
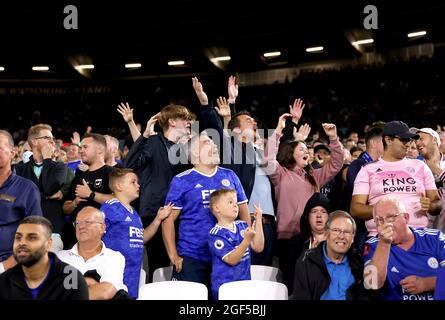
(334, 269)
(394, 174)
(402, 262)
(102, 267)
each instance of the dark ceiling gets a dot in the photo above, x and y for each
(152, 33)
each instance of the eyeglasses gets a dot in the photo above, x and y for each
(403, 140)
(336, 232)
(381, 220)
(86, 222)
(49, 138)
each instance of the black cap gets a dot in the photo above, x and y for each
(400, 129)
(321, 147)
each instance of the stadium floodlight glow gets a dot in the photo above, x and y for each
(272, 54)
(40, 68)
(223, 58)
(314, 49)
(133, 65)
(176, 63)
(416, 34)
(2, 68)
(85, 66)
(364, 41)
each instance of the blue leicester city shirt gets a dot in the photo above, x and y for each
(221, 242)
(190, 192)
(125, 233)
(423, 259)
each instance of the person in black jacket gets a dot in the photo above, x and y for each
(48, 175)
(334, 269)
(39, 274)
(150, 157)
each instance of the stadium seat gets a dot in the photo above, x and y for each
(173, 290)
(259, 272)
(142, 278)
(163, 274)
(253, 290)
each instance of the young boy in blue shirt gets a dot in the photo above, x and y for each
(230, 240)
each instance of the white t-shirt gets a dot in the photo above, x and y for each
(109, 264)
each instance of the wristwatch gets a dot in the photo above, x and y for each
(92, 195)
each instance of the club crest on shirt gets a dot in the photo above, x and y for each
(410, 170)
(219, 244)
(97, 183)
(225, 182)
(242, 232)
(432, 262)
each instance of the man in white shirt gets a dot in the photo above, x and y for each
(90, 256)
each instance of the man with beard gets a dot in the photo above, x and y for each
(39, 274)
(88, 188)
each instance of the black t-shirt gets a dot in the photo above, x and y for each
(97, 181)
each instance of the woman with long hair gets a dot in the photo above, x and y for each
(295, 181)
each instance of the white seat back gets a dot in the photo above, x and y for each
(173, 290)
(163, 274)
(258, 272)
(253, 290)
(142, 278)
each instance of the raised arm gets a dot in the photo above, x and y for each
(127, 114)
(234, 257)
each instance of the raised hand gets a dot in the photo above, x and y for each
(150, 129)
(302, 133)
(386, 231)
(331, 130)
(282, 122)
(232, 89)
(202, 96)
(296, 110)
(223, 108)
(126, 111)
(75, 138)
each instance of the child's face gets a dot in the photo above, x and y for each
(130, 185)
(228, 206)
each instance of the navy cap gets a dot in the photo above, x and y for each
(400, 129)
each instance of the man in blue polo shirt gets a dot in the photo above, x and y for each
(19, 198)
(334, 269)
(403, 263)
